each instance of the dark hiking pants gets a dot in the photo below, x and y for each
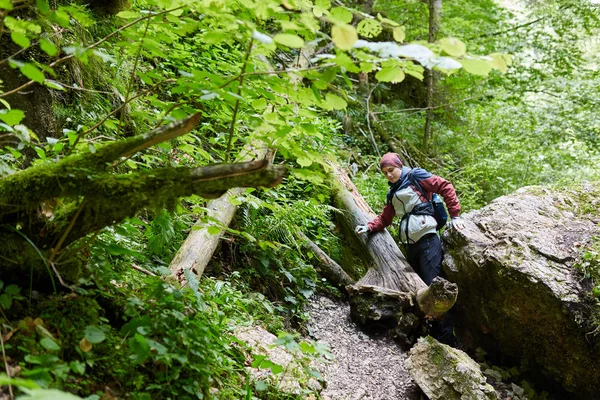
(425, 257)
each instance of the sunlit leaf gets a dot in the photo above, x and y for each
(386, 20)
(341, 15)
(453, 47)
(369, 28)
(20, 39)
(32, 72)
(11, 117)
(476, 66)
(213, 230)
(344, 36)
(77, 367)
(128, 15)
(399, 34)
(335, 102)
(42, 6)
(48, 47)
(290, 40)
(390, 74)
(54, 85)
(304, 161)
(6, 4)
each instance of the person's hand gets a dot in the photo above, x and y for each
(361, 229)
(457, 223)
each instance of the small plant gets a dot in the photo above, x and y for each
(589, 265)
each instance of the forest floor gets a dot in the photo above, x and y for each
(364, 367)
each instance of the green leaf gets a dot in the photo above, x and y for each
(476, 66)
(335, 102)
(32, 72)
(341, 15)
(275, 368)
(22, 383)
(369, 28)
(304, 161)
(48, 394)
(367, 66)
(453, 47)
(387, 21)
(54, 85)
(6, 4)
(48, 47)
(94, 335)
(20, 39)
(344, 36)
(13, 290)
(257, 361)
(42, 6)
(21, 26)
(326, 4)
(501, 61)
(11, 117)
(213, 230)
(290, 40)
(77, 367)
(260, 386)
(390, 74)
(399, 34)
(105, 57)
(5, 301)
(49, 344)
(307, 348)
(128, 15)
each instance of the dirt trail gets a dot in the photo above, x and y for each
(364, 367)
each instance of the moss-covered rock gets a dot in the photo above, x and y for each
(519, 294)
(443, 372)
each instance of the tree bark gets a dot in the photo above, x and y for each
(197, 250)
(45, 208)
(329, 268)
(435, 8)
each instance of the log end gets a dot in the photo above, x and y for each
(435, 300)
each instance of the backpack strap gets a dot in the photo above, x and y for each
(416, 184)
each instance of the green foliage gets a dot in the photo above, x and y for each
(148, 337)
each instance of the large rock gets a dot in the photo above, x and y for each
(446, 373)
(519, 294)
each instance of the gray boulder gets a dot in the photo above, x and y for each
(519, 294)
(443, 372)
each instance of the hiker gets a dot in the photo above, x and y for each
(410, 198)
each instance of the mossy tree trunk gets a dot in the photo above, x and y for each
(47, 207)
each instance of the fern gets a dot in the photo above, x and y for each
(161, 233)
(282, 222)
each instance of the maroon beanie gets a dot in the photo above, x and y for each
(390, 160)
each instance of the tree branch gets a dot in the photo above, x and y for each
(99, 42)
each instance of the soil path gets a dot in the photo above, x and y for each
(364, 367)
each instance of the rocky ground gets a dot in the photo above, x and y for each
(364, 367)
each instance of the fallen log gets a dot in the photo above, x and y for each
(198, 248)
(391, 273)
(47, 207)
(328, 268)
